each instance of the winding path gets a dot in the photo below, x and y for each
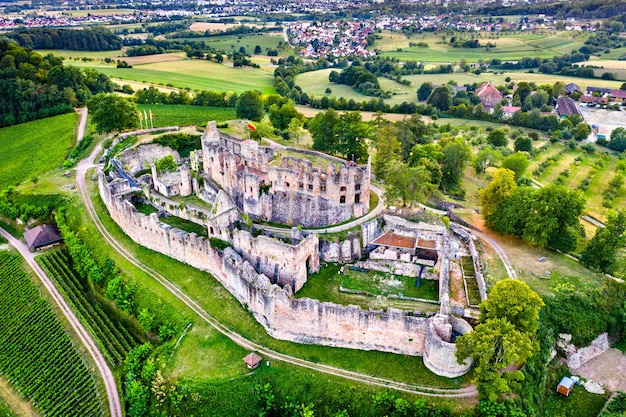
(85, 337)
(82, 168)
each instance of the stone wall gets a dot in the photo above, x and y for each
(135, 159)
(343, 252)
(283, 317)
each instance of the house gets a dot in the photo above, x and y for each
(566, 106)
(589, 100)
(571, 87)
(603, 91)
(565, 386)
(618, 95)
(41, 236)
(252, 360)
(489, 95)
(507, 111)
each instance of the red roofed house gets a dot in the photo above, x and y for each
(507, 111)
(489, 95)
(618, 95)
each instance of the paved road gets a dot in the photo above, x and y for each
(82, 168)
(83, 334)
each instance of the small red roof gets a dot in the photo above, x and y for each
(252, 360)
(397, 241)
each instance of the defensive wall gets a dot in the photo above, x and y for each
(274, 307)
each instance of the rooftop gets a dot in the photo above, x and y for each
(41, 236)
(395, 240)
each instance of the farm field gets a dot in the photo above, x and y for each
(113, 339)
(193, 74)
(72, 55)
(185, 115)
(232, 43)
(38, 355)
(513, 47)
(35, 148)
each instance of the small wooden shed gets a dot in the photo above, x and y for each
(252, 360)
(565, 386)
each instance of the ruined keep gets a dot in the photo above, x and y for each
(293, 193)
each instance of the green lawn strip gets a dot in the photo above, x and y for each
(381, 283)
(192, 74)
(232, 43)
(327, 393)
(216, 300)
(582, 171)
(185, 115)
(550, 175)
(597, 186)
(34, 148)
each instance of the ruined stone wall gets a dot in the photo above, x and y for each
(135, 159)
(283, 317)
(283, 264)
(345, 251)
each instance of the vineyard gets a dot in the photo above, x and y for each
(112, 338)
(37, 355)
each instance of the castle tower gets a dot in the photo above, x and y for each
(185, 181)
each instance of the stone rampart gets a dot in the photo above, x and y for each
(283, 316)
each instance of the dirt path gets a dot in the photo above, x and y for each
(80, 133)
(109, 381)
(82, 168)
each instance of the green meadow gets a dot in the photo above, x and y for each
(183, 115)
(232, 43)
(193, 74)
(34, 148)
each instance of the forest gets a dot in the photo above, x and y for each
(71, 39)
(34, 87)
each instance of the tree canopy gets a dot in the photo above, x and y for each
(250, 106)
(602, 251)
(499, 189)
(111, 113)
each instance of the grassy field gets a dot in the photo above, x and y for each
(324, 286)
(219, 303)
(193, 74)
(232, 43)
(510, 47)
(34, 148)
(184, 115)
(72, 55)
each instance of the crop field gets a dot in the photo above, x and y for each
(71, 55)
(186, 115)
(232, 43)
(113, 339)
(38, 357)
(570, 167)
(512, 47)
(34, 148)
(193, 74)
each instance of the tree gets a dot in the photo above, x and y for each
(424, 90)
(441, 98)
(523, 144)
(581, 131)
(351, 132)
(407, 185)
(494, 345)
(167, 163)
(618, 140)
(498, 190)
(514, 301)
(523, 90)
(497, 138)
(249, 106)
(110, 112)
(388, 148)
(321, 128)
(602, 251)
(282, 116)
(485, 158)
(509, 320)
(456, 153)
(257, 49)
(516, 162)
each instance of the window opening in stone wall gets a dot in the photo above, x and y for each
(342, 189)
(357, 187)
(357, 198)
(342, 199)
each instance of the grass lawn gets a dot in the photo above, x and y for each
(314, 159)
(232, 43)
(185, 115)
(324, 285)
(70, 55)
(35, 148)
(508, 47)
(381, 283)
(192, 73)
(216, 300)
(578, 403)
